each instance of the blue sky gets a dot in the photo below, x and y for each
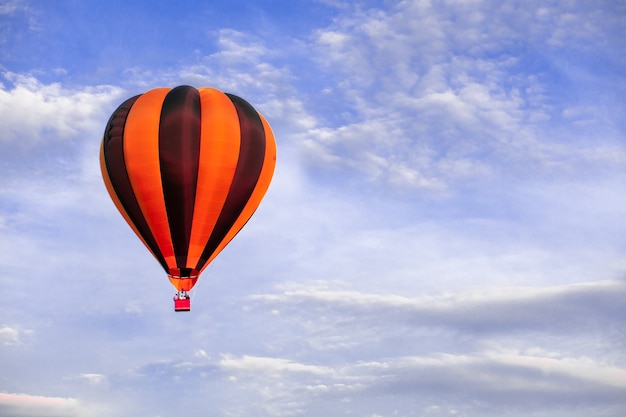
(444, 235)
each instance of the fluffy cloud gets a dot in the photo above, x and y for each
(32, 110)
(458, 95)
(14, 336)
(484, 380)
(560, 309)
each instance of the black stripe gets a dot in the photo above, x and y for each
(179, 153)
(247, 172)
(113, 149)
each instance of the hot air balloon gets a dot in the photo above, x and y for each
(186, 168)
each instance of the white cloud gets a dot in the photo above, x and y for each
(24, 405)
(242, 66)
(94, 379)
(281, 386)
(14, 336)
(583, 368)
(237, 47)
(269, 366)
(448, 85)
(489, 376)
(496, 310)
(32, 111)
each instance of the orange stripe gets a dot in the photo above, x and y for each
(183, 284)
(219, 151)
(141, 154)
(260, 189)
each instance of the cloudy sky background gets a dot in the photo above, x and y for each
(445, 234)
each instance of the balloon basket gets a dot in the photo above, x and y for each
(182, 304)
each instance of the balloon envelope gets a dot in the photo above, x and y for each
(187, 168)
